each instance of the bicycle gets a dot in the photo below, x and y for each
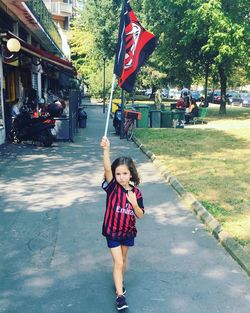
(129, 124)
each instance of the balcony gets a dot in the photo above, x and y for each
(41, 13)
(59, 8)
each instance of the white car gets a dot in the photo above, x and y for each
(245, 97)
(165, 92)
(148, 92)
(174, 94)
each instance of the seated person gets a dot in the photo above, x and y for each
(193, 111)
(55, 109)
(180, 104)
(204, 102)
(65, 105)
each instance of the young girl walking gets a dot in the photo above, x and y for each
(124, 204)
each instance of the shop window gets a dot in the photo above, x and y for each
(35, 81)
(26, 82)
(23, 34)
(5, 21)
(10, 87)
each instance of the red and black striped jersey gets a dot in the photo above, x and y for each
(119, 219)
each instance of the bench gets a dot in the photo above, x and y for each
(201, 116)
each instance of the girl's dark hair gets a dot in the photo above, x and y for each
(131, 166)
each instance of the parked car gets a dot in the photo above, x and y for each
(217, 97)
(165, 93)
(196, 95)
(148, 92)
(234, 98)
(174, 94)
(214, 96)
(140, 91)
(245, 99)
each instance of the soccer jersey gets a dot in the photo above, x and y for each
(119, 219)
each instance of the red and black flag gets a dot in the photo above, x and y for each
(134, 46)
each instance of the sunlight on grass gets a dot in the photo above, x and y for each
(213, 164)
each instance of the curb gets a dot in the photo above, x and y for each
(230, 244)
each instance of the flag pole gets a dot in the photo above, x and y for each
(109, 106)
(122, 115)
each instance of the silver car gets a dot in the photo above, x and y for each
(234, 98)
(245, 97)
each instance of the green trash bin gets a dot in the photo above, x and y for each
(144, 110)
(166, 119)
(178, 118)
(155, 118)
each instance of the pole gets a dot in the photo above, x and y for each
(104, 89)
(122, 114)
(206, 81)
(109, 107)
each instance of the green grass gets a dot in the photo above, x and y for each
(213, 164)
(235, 113)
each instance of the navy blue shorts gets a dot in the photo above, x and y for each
(124, 242)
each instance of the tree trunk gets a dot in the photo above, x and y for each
(153, 92)
(223, 88)
(133, 96)
(206, 81)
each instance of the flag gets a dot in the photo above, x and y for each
(134, 46)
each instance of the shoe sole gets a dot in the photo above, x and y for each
(123, 307)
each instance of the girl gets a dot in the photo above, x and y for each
(124, 203)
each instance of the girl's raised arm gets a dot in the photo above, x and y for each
(105, 144)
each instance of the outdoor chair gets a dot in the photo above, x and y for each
(201, 116)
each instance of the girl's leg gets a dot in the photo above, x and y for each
(124, 257)
(117, 256)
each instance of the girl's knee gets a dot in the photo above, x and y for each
(118, 263)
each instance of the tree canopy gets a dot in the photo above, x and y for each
(195, 37)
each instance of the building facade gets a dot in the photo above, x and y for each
(62, 11)
(39, 66)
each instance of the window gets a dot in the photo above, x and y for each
(35, 81)
(5, 21)
(66, 23)
(23, 34)
(10, 87)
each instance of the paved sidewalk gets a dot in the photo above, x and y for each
(54, 258)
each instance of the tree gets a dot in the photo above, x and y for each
(93, 37)
(196, 38)
(210, 35)
(101, 18)
(225, 38)
(92, 41)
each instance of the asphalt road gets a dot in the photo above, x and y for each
(55, 260)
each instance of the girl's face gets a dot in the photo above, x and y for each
(123, 175)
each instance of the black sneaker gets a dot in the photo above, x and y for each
(121, 303)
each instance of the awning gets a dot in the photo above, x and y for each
(41, 54)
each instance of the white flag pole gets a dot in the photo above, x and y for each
(110, 104)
